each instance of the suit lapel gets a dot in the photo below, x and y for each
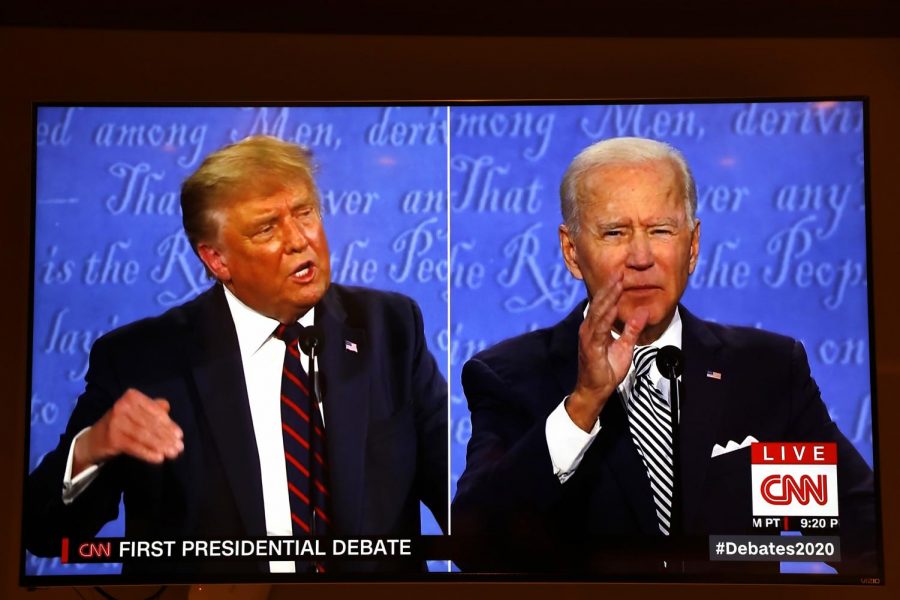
(614, 439)
(627, 465)
(701, 408)
(346, 389)
(219, 375)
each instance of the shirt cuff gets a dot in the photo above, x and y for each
(73, 486)
(567, 441)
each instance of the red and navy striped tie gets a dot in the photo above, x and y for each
(304, 443)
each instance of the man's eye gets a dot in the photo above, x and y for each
(612, 233)
(662, 231)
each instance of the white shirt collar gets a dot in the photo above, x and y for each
(255, 329)
(672, 335)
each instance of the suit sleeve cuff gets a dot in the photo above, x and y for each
(567, 442)
(73, 486)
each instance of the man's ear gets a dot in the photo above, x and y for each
(569, 252)
(695, 246)
(215, 261)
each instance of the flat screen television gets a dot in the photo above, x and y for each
(456, 205)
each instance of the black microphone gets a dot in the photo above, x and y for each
(311, 340)
(311, 344)
(670, 362)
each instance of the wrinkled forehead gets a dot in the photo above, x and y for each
(263, 185)
(661, 173)
(623, 187)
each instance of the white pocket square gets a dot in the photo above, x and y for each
(731, 446)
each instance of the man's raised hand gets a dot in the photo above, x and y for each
(603, 362)
(137, 426)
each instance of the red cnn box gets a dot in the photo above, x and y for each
(794, 479)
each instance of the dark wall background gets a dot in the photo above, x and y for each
(116, 66)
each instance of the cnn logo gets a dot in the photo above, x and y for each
(785, 489)
(794, 479)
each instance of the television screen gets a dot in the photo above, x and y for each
(770, 452)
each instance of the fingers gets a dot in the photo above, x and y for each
(139, 426)
(601, 313)
(621, 351)
(595, 379)
(634, 326)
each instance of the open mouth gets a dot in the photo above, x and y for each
(304, 272)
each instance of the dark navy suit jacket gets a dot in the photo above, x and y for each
(603, 518)
(385, 407)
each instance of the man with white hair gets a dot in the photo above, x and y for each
(575, 462)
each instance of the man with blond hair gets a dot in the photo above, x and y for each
(207, 418)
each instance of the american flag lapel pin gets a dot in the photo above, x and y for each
(350, 346)
(714, 374)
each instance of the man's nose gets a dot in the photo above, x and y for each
(640, 252)
(294, 236)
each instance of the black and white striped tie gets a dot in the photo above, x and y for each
(651, 427)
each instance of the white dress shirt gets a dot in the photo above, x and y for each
(262, 355)
(567, 442)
